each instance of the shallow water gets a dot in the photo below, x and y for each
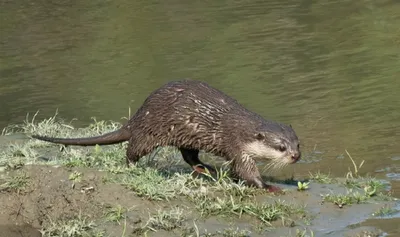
(329, 68)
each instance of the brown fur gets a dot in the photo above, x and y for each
(193, 116)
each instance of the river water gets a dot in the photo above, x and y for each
(329, 68)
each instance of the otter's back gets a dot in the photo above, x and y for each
(187, 112)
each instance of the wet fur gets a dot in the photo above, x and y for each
(193, 116)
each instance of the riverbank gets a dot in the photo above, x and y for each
(81, 191)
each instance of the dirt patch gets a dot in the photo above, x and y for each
(50, 195)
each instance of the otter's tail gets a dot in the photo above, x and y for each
(114, 137)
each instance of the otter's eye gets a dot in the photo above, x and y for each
(259, 136)
(282, 148)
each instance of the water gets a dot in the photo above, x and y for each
(329, 68)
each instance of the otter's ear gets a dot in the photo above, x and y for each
(259, 136)
(290, 125)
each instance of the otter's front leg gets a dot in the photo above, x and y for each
(247, 170)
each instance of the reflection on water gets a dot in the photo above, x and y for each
(330, 68)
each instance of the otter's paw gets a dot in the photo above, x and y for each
(274, 189)
(203, 169)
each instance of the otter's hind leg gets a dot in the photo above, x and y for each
(248, 171)
(134, 152)
(132, 155)
(191, 156)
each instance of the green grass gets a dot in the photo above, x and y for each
(346, 199)
(33, 151)
(71, 227)
(228, 206)
(322, 178)
(15, 183)
(166, 220)
(149, 183)
(361, 189)
(115, 213)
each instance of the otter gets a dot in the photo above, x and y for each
(192, 116)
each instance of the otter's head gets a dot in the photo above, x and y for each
(276, 142)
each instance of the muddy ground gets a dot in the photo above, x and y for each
(50, 196)
(60, 199)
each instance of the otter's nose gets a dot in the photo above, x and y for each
(296, 156)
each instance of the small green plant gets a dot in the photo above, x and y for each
(372, 187)
(301, 186)
(75, 177)
(370, 190)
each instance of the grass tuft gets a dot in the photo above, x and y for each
(115, 213)
(385, 211)
(346, 199)
(15, 183)
(78, 226)
(322, 178)
(167, 220)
